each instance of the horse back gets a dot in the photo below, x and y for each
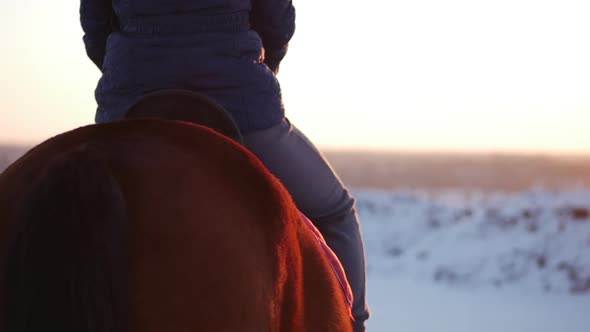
(214, 242)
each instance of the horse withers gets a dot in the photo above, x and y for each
(155, 225)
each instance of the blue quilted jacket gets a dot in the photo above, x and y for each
(229, 50)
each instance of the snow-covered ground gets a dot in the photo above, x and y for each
(458, 261)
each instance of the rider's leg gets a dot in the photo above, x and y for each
(320, 195)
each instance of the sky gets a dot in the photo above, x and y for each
(503, 75)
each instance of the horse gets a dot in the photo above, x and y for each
(149, 225)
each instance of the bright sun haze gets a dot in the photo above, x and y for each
(426, 75)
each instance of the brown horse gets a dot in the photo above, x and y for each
(154, 225)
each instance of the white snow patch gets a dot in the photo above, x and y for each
(468, 261)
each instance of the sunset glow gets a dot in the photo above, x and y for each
(428, 75)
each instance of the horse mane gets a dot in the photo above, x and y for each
(63, 266)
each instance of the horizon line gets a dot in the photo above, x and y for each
(407, 150)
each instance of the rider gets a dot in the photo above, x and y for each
(230, 51)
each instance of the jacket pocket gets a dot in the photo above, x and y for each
(248, 46)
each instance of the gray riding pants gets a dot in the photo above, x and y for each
(321, 196)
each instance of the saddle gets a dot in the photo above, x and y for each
(187, 106)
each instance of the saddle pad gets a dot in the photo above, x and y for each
(334, 262)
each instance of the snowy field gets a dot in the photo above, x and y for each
(458, 261)
(466, 261)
